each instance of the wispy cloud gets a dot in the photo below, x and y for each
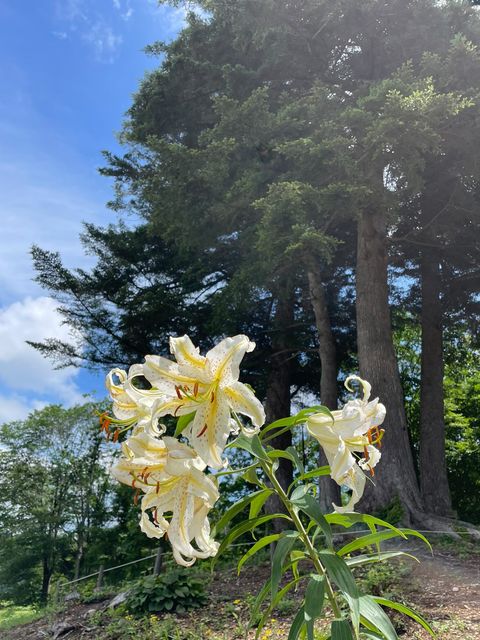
(83, 19)
(104, 41)
(124, 9)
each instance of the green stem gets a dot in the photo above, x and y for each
(304, 536)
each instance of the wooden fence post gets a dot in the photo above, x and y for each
(158, 562)
(99, 578)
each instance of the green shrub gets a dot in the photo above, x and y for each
(176, 591)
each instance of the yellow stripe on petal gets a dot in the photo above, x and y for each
(242, 400)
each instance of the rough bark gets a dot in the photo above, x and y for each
(329, 490)
(395, 477)
(433, 467)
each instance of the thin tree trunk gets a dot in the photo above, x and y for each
(79, 557)
(395, 477)
(46, 575)
(433, 467)
(329, 490)
(277, 403)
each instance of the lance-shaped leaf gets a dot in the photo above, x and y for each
(373, 538)
(245, 527)
(304, 501)
(339, 572)
(341, 630)
(239, 506)
(372, 613)
(314, 597)
(260, 544)
(297, 625)
(282, 549)
(402, 608)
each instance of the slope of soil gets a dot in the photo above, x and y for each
(445, 588)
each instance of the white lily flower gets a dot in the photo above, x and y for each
(189, 498)
(354, 430)
(147, 461)
(207, 385)
(132, 406)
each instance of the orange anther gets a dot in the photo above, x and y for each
(135, 497)
(115, 435)
(195, 389)
(178, 392)
(212, 397)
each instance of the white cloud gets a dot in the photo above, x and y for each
(27, 380)
(83, 18)
(124, 9)
(104, 41)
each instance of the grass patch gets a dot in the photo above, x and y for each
(11, 615)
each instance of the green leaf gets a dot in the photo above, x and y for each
(251, 444)
(245, 527)
(295, 556)
(304, 501)
(314, 597)
(298, 463)
(339, 572)
(358, 561)
(239, 506)
(297, 624)
(279, 453)
(320, 471)
(402, 608)
(280, 595)
(258, 502)
(348, 519)
(373, 613)
(183, 422)
(263, 542)
(251, 476)
(284, 546)
(373, 538)
(287, 423)
(341, 630)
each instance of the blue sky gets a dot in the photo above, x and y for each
(68, 69)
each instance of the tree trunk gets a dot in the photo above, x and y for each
(46, 575)
(395, 475)
(433, 467)
(277, 403)
(329, 490)
(79, 557)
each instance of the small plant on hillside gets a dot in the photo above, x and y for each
(175, 591)
(171, 479)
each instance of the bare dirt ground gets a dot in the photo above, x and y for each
(445, 588)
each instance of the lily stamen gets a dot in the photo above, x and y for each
(202, 431)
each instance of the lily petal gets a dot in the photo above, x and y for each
(242, 400)
(224, 359)
(209, 430)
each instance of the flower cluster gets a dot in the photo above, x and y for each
(171, 475)
(205, 391)
(350, 432)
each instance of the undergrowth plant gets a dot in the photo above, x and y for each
(177, 485)
(175, 591)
